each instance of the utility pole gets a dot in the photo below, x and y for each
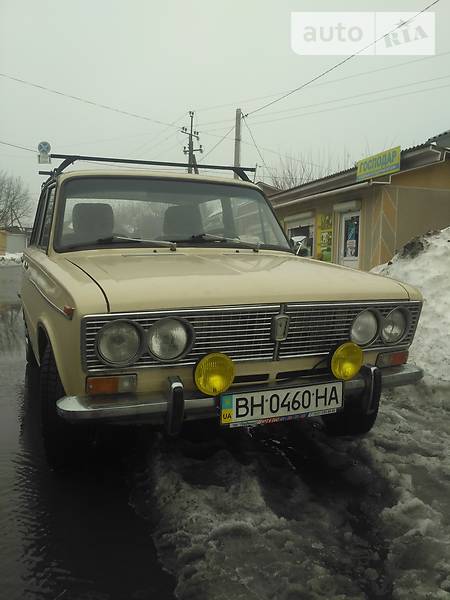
(237, 141)
(190, 150)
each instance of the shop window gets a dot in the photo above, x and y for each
(303, 236)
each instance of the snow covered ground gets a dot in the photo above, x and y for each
(10, 259)
(290, 514)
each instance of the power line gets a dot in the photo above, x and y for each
(334, 108)
(322, 83)
(254, 143)
(19, 147)
(340, 63)
(177, 143)
(218, 143)
(343, 98)
(158, 142)
(378, 91)
(280, 154)
(84, 100)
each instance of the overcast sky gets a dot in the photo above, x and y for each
(160, 59)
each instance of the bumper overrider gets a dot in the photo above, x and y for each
(176, 404)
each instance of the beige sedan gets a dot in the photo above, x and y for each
(160, 297)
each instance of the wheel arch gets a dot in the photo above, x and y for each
(43, 340)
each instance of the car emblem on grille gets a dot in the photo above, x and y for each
(280, 327)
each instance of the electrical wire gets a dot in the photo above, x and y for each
(157, 142)
(84, 100)
(340, 63)
(223, 138)
(378, 91)
(322, 83)
(388, 89)
(244, 118)
(334, 108)
(19, 147)
(167, 150)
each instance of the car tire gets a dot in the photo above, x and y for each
(353, 420)
(64, 444)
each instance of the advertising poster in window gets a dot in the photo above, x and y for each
(324, 236)
(351, 237)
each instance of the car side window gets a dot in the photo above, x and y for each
(38, 219)
(47, 220)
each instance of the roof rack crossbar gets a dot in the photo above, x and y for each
(69, 159)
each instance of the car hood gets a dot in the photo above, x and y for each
(156, 280)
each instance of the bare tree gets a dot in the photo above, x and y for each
(291, 173)
(15, 201)
(294, 171)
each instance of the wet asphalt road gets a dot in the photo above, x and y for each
(72, 536)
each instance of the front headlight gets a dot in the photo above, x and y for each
(119, 343)
(168, 339)
(394, 326)
(364, 328)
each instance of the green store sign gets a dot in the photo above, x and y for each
(380, 164)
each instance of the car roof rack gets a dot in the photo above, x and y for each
(69, 159)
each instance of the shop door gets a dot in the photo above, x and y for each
(349, 240)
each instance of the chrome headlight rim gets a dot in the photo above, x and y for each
(407, 316)
(190, 343)
(136, 356)
(378, 318)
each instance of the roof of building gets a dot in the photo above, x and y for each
(443, 139)
(417, 156)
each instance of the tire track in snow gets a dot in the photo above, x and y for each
(339, 480)
(231, 520)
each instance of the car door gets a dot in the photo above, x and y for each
(31, 292)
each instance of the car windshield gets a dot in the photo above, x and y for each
(115, 211)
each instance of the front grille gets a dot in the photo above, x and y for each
(316, 329)
(244, 333)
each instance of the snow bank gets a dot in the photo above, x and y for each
(425, 263)
(9, 259)
(410, 444)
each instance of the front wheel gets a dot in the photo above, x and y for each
(350, 421)
(360, 413)
(64, 444)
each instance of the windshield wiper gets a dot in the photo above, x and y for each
(122, 238)
(221, 238)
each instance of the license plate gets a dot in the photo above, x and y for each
(271, 406)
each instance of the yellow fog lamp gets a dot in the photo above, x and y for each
(346, 361)
(214, 374)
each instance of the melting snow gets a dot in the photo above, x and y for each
(10, 258)
(297, 515)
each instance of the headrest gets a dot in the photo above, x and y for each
(93, 220)
(183, 220)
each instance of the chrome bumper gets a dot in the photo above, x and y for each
(177, 405)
